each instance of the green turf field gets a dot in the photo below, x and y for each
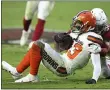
(60, 19)
(14, 53)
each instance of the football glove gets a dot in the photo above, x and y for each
(107, 77)
(91, 81)
(63, 40)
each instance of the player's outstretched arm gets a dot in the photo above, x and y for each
(96, 68)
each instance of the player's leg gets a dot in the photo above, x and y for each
(105, 62)
(44, 9)
(32, 59)
(53, 60)
(31, 8)
(108, 66)
(24, 64)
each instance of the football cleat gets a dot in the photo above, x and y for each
(24, 37)
(28, 78)
(12, 70)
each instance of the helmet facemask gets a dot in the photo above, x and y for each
(80, 27)
(76, 26)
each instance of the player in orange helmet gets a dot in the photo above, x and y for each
(79, 47)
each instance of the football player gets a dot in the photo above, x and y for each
(85, 44)
(104, 29)
(43, 9)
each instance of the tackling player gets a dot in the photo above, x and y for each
(43, 9)
(103, 29)
(85, 44)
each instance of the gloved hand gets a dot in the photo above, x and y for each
(94, 48)
(63, 41)
(91, 81)
(107, 77)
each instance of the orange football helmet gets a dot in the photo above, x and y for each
(83, 22)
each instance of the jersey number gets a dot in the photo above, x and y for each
(72, 53)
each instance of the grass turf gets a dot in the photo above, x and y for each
(13, 55)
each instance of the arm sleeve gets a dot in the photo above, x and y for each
(96, 65)
(106, 35)
(104, 49)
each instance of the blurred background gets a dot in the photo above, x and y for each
(59, 19)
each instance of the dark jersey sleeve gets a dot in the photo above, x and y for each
(106, 35)
(105, 49)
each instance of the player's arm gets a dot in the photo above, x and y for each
(96, 43)
(105, 48)
(97, 68)
(94, 49)
(106, 44)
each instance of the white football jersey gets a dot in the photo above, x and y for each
(74, 58)
(78, 56)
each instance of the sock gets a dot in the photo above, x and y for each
(38, 30)
(26, 24)
(35, 59)
(32, 59)
(24, 64)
